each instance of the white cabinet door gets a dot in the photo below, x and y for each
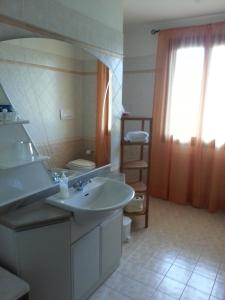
(44, 261)
(86, 263)
(111, 235)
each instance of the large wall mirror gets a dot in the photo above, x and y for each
(65, 94)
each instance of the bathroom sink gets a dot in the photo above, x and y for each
(98, 198)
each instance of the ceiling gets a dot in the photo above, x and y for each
(149, 11)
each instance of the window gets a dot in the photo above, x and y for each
(196, 94)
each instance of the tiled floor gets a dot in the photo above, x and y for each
(180, 256)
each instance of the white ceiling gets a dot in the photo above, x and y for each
(149, 11)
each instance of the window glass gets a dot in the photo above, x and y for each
(214, 112)
(185, 93)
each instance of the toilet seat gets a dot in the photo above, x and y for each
(81, 164)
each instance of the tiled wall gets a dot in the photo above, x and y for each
(49, 18)
(39, 84)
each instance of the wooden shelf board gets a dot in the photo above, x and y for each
(134, 143)
(130, 117)
(135, 164)
(137, 213)
(138, 186)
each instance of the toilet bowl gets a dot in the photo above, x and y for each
(81, 165)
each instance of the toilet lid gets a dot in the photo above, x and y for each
(82, 163)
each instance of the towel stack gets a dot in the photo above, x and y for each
(137, 136)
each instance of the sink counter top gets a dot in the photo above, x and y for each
(40, 213)
(115, 175)
(33, 215)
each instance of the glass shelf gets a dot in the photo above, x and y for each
(17, 122)
(12, 163)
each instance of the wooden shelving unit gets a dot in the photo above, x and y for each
(136, 164)
(140, 165)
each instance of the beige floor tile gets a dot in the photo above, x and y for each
(129, 268)
(212, 266)
(221, 276)
(160, 296)
(138, 259)
(178, 237)
(222, 267)
(206, 270)
(190, 254)
(158, 266)
(171, 287)
(107, 293)
(149, 278)
(201, 283)
(211, 260)
(219, 290)
(193, 294)
(179, 274)
(135, 290)
(185, 262)
(165, 255)
(115, 281)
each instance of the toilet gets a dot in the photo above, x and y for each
(81, 165)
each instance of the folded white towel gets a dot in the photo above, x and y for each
(137, 136)
(141, 140)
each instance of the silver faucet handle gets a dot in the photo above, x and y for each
(79, 185)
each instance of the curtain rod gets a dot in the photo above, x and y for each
(154, 31)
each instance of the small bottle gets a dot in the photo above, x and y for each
(1, 115)
(63, 185)
(5, 114)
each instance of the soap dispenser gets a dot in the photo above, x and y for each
(63, 185)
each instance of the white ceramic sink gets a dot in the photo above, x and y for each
(98, 198)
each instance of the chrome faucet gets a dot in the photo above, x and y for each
(79, 185)
(55, 177)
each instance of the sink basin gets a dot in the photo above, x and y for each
(99, 198)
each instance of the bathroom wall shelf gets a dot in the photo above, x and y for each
(136, 164)
(10, 163)
(136, 118)
(140, 186)
(134, 143)
(18, 122)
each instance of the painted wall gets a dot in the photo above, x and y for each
(96, 9)
(140, 48)
(139, 64)
(77, 20)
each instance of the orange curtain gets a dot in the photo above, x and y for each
(192, 172)
(103, 137)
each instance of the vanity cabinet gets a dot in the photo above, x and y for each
(55, 263)
(41, 256)
(86, 263)
(111, 243)
(96, 255)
